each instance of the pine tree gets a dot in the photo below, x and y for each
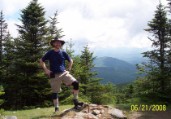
(3, 33)
(10, 81)
(9, 54)
(87, 64)
(89, 83)
(1, 100)
(3, 38)
(53, 30)
(32, 85)
(169, 58)
(69, 48)
(169, 53)
(157, 66)
(169, 5)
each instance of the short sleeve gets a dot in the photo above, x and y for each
(46, 57)
(66, 56)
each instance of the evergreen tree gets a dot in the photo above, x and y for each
(53, 30)
(158, 67)
(3, 36)
(90, 84)
(169, 53)
(3, 33)
(1, 100)
(3, 39)
(9, 54)
(169, 58)
(32, 85)
(69, 48)
(169, 5)
(10, 81)
(87, 65)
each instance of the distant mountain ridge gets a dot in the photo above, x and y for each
(114, 70)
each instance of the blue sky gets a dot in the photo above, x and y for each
(104, 25)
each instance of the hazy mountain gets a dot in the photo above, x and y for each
(130, 55)
(114, 70)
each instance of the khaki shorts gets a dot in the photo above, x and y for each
(60, 78)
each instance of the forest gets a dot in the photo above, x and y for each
(23, 84)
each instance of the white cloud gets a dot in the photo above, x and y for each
(111, 25)
(140, 41)
(12, 27)
(12, 7)
(99, 23)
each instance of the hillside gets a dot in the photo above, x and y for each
(114, 70)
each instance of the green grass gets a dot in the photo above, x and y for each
(38, 113)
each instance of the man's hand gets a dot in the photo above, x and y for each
(70, 65)
(69, 69)
(47, 72)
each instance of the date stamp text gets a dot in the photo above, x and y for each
(144, 107)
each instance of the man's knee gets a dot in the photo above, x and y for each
(75, 85)
(54, 96)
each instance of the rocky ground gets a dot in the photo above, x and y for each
(91, 111)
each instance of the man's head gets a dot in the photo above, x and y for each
(56, 43)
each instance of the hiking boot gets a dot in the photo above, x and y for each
(77, 104)
(56, 109)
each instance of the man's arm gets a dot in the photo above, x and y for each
(70, 65)
(43, 65)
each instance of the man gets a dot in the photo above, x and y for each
(58, 73)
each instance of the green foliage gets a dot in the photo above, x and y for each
(4, 36)
(87, 76)
(1, 100)
(69, 99)
(90, 85)
(1, 93)
(3, 33)
(69, 48)
(53, 30)
(104, 94)
(158, 66)
(22, 74)
(156, 82)
(169, 52)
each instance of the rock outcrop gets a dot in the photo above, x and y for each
(93, 111)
